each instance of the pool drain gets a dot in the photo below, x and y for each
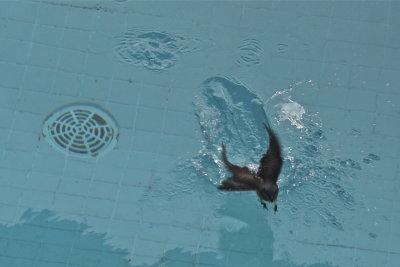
(83, 130)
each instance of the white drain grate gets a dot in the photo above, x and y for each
(83, 130)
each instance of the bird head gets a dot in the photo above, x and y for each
(269, 192)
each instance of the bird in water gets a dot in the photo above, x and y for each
(264, 180)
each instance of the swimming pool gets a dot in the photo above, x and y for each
(112, 114)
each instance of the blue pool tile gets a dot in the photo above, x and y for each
(369, 55)
(6, 6)
(336, 74)
(50, 163)
(387, 146)
(154, 96)
(125, 92)
(130, 193)
(42, 181)
(388, 125)
(37, 79)
(392, 39)
(18, 30)
(107, 174)
(125, 115)
(183, 236)
(209, 256)
(176, 145)
(44, 56)
(180, 100)
(3, 244)
(142, 260)
(125, 228)
(128, 211)
(153, 231)
(36, 199)
(17, 160)
(24, 11)
(375, 12)
(340, 52)
(236, 259)
(66, 83)
(141, 160)
(13, 178)
(71, 60)
(360, 120)
(24, 141)
(11, 72)
(147, 141)
(148, 248)
(185, 127)
(332, 96)
(93, 87)
(74, 16)
(392, 56)
(361, 100)
(6, 118)
(29, 122)
(80, 169)
(304, 25)
(389, 80)
(46, 34)
(374, 33)
(91, 243)
(344, 30)
(75, 39)
(388, 104)
(17, 262)
(98, 65)
(392, 259)
(346, 10)
(84, 257)
(99, 207)
(103, 190)
(149, 119)
(157, 214)
(22, 249)
(365, 78)
(8, 101)
(52, 16)
(40, 263)
(114, 259)
(74, 186)
(68, 203)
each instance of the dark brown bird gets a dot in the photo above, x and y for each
(264, 181)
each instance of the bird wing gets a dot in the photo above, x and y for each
(271, 161)
(242, 179)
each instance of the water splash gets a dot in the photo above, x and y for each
(229, 113)
(311, 168)
(316, 185)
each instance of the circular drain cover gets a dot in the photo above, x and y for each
(83, 130)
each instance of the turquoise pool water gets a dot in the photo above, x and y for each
(112, 114)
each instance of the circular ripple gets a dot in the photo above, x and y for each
(249, 53)
(153, 50)
(82, 130)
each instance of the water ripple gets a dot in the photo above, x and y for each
(153, 50)
(249, 53)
